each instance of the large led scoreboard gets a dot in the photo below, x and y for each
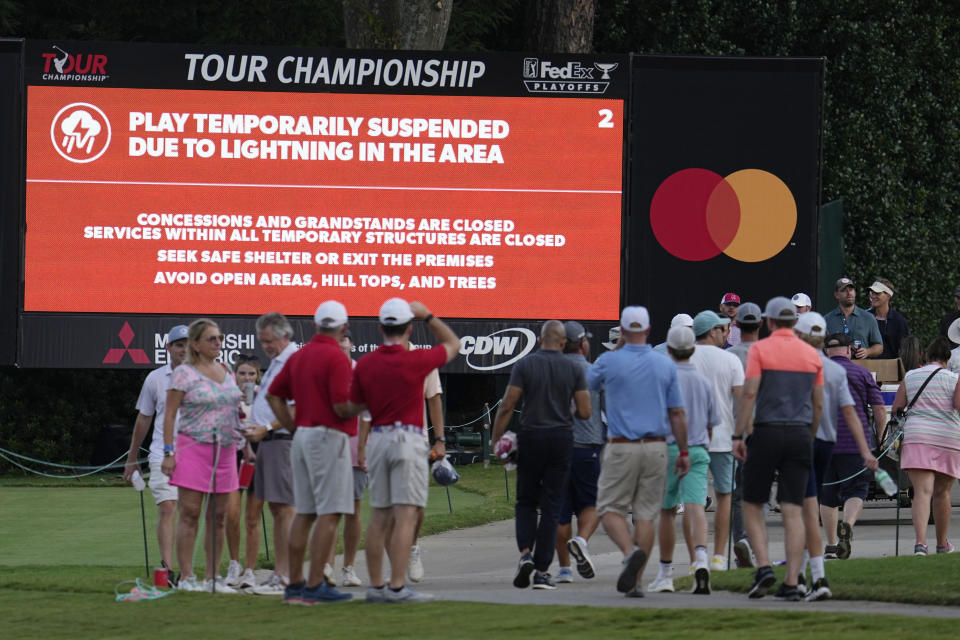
(149, 184)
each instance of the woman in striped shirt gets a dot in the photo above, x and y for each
(931, 442)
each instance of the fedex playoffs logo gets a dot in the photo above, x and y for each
(60, 65)
(497, 350)
(543, 76)
(80, 132)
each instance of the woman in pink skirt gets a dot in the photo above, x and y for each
(931, 442)
(204, 460)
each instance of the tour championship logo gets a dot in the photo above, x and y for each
(697, 214)
(80, 132)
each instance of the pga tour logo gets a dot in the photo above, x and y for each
(543, 76)
(497, 350)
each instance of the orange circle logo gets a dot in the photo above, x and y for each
(80, 132)
(750, 215)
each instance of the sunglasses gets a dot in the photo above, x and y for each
(215, 339)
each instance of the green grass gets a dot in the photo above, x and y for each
(91, 612)
(929, 580)
(47, 522)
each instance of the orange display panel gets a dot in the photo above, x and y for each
(231, 202)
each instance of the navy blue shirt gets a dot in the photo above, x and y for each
(892, 330)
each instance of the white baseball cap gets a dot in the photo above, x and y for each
(330, 315)
(811, 323)
(635, 319)
(801, 300)
(394, 312)
(681, 320)
(681, 338)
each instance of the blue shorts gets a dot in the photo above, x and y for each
(721, 468)
(691, 488)
(842, 466)
(582, 484)
(822, 452)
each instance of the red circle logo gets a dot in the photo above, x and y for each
(750, 215)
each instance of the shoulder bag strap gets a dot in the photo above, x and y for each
(922, 387)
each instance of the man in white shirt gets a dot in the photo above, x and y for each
(152, 403)
(273, 478)
(725, 372)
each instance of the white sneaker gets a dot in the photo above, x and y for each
(415, 565)
(190, 583)
(661, 585)
(233, 573)
(221, 586)
(328, 574)
(349, 578)
(248, 580)
(272, 587)
(718, 563)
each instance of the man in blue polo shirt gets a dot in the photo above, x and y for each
(643, 405)
(859, 324)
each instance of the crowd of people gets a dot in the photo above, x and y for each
(319, 429)
(638, 435)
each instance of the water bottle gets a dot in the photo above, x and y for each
(885, 481)
(138, 482)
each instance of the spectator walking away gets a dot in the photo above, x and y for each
(782, 397)
(858, 323)
(151, 406)
(581, 494)
(725, 373)
(203, 462)
(749, 321)
(273, 477)
(644, 404)
(837, 400)
(846, 481)
(389, 384)
(892, 323)
(931, 442)
(317, 379)
(548, 384)
(691, 490)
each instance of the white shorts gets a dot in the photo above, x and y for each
(160, 485)
(398, 467)
(322, 472)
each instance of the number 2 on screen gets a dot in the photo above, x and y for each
(606, 120)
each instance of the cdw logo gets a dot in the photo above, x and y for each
(497, 350)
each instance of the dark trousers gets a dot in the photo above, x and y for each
(543, 464)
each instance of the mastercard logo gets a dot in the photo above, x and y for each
(697, 214)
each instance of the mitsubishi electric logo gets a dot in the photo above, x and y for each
(114, 356)
(543, 76)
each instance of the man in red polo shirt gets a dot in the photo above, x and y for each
(389, 384)
(317, 378)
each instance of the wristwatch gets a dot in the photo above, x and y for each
(441, 439)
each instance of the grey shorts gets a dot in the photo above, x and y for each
(398, 468)
(273, 477)
(322, 472)
(360, 482)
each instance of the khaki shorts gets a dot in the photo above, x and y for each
(633, 476)
(160, 485)
(398, 468)
(322, 472)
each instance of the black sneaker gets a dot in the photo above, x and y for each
(521, 579)
(543, 581)
(763, 579)
(845, 540)
(830, 552)
(632, 566)
(802, 584)
(820, 591)
(701, 578)
(788, 593)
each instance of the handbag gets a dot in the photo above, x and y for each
(894, 428)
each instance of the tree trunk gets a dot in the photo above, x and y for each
(396, 24)
(561, 26)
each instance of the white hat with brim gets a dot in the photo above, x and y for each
(953, 331)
